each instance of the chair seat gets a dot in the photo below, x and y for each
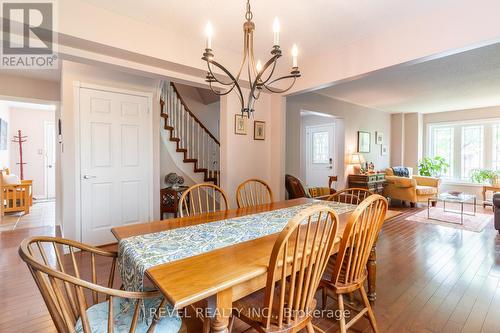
(97, 314)
(426, 190)
(250, 308)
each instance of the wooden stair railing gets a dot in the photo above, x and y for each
(192, 138)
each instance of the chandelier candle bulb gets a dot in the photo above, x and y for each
(276, 30)
(209, 33)
(258, 66)
(295, 53)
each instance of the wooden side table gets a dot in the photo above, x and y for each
(489, 188)
(169, 200)
(374, 182)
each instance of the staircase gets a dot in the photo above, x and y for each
(192, 138)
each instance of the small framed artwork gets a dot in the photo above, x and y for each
(363, 142)
(240, 124)
(259, 130)
(384, 150)
(379, 138)
(3, 134)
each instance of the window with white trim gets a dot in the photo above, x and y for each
(465, 146)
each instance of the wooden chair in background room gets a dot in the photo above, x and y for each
(353, 196)
(16, 196)
(301, 253)
(202, 198)
(349, 272)
(253, 192)
(79, 305)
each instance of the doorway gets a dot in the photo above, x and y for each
(320, 154)
(29, 154)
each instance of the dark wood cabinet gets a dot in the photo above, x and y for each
(170, 200)
(374, 182)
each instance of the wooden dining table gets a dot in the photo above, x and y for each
(226, 274)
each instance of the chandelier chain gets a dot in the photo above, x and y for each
(249, 14)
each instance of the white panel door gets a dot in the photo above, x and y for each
(50, 159)
(320, 152)
(115, 162)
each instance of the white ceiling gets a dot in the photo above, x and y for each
(315, 25)
(462, 81)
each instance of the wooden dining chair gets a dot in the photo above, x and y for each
(79, 305)
(253, 192)
(202, 198)
(349, 272)
(298, 260)
(353, 196)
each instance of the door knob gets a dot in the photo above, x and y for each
(88, 177)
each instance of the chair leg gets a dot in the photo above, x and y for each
(341, 309)
(371, 316)
(324, 298)
(310, 328)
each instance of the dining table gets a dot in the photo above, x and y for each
(226, 274)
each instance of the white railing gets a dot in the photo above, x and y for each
(193, 136)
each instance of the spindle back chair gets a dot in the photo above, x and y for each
(253, 192)
(67, 293)
(349, 272)
(202, 198)
(353, 196)
(298, 260)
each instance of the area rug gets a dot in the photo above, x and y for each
(471, 223)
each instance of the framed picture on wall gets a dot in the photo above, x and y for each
(259, 130)
(384, 150)
(379, 138)
(363, 142)
(3, 134)
(240, 124)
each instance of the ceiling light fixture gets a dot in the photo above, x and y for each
(255, 71)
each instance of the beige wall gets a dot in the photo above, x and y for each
(397, 139)
(71, 73)
(31, 122)
(355, 118)
(31, 89)
(413, 140)
(242, 157)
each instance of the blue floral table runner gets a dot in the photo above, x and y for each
(138, 253)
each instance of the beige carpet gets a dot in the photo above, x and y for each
(452, 219)
(41, 214)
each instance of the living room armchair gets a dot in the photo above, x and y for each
(412, 188)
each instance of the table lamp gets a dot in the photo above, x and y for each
(357, 159)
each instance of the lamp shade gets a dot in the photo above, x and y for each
(356, 158)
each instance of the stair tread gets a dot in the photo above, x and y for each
(175, 139)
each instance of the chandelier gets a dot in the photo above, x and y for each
(259, 76)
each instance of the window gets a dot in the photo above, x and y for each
(472, 150)
(466, 146)
(495, 163)
(320, 147)
(443, 146)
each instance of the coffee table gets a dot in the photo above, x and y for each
(462, 199)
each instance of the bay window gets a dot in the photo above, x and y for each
(465, 146)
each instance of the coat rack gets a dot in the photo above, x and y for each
(20, 139)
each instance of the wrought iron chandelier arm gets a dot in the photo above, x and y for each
(228, 73)
(258, 82)
(280, 91)
(223, 69)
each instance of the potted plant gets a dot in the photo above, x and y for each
(433, 166)
(483, 176)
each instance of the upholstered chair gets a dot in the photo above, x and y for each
(496, 207)
(297, 189)
(412, 188)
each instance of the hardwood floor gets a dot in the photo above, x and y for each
(430, 279)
